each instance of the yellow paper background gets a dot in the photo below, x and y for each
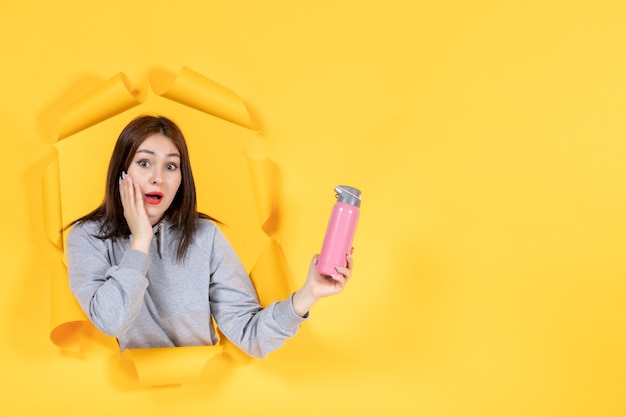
(488, 138)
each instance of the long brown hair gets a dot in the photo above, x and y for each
(183, 212)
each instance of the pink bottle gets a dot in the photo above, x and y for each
(340, 232)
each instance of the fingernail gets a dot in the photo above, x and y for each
(314, 261)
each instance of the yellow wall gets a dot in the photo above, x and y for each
(488, 138)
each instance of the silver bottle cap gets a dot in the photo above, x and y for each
(348, 195)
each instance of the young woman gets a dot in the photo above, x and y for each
(149, 269)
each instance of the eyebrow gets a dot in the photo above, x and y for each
(148, 151)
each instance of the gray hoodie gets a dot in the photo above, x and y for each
(155, 301)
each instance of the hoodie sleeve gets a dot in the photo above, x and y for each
(236, 308)
(110, 295)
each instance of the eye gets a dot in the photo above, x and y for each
(171, 167)
(143, 163)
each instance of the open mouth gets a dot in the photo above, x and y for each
(154, 197)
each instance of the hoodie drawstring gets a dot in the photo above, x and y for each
(160, 240)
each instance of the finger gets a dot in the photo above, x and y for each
(128, 200)
(138, 195)
(345, 272)
(350, 261)
(339, 279)
(124, 190)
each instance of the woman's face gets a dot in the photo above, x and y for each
(156, 168)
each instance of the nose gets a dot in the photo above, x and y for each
(157, 177)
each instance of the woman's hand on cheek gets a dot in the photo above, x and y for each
(135, 213)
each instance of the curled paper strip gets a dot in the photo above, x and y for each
(51, 197)
(66, 318)
(194, 90)
(154, 366)
(112, 97)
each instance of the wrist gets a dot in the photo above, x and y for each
(141, 244)
(302, 301)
